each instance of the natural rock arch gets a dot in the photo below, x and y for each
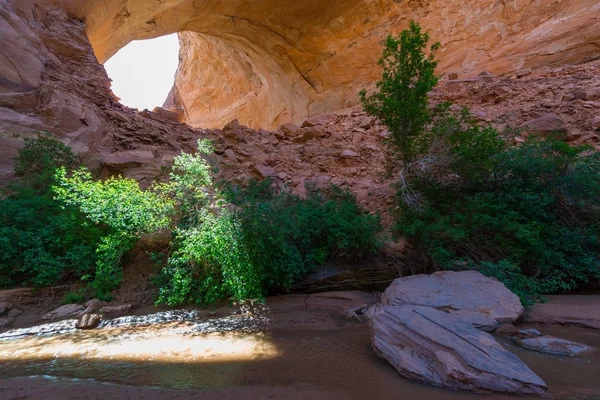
(264, 62)
(270, 61)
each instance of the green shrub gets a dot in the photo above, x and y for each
(73, 298)
(42, 241)
(240, 242)
(121, 208)
(287, 235)
(401, 99)
(526, 213)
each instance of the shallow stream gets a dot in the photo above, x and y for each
(178, 355)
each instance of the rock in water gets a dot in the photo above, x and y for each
(88, 321)
(442, 349)
(465, 293)
(553, 345)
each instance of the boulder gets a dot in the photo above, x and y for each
(314, 121)
(68, 310)
(264, 171)
(92, 306)
(115, 311)
(523, 72)
(507, 330)
(465, 293)
(5, 306)
(442, 349)
(14, 313)
(596, 123)
(88, 321)
(349, 154)
(553, 345)
(546, 124)
(312, 132)
(289, 130)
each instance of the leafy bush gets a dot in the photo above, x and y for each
(121, 208)
(240, 242)
(287, 235)
(401, 100)
(42, 241)
(73, 298)
(527, 213)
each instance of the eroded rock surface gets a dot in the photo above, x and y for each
(439, 348)
(468, 294)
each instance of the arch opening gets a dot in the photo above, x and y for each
(143, 72)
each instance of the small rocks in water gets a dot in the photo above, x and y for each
(439, 348)
(4, 322)
(553, 345)
(354, 314)
(14, 313)
(4, 307)
(530, 332)
(67, 310)
(507, 330)
(212, 313)
(115, 311)
(88, 321)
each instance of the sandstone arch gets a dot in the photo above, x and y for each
(271, 61)
(264, 62)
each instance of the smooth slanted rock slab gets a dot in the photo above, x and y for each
(553, 345)
(465, 293)
(442, 349)
(68, 310)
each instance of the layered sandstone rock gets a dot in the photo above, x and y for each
(438, 348)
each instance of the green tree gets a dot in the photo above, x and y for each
(401, 100)
(42, 240)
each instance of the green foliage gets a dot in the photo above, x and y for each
(73, 298)
(42, 241)
(240, 242)
(119, 206)
(526, 213)
(39, 158)
(287, 235)
(401, 100)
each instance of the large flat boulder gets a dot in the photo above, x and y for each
(442, 349)
(465, 293)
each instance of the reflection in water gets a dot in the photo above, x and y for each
(176, 356)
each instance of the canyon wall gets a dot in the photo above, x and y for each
(263, 62)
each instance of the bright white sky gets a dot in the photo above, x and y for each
(143, 71)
